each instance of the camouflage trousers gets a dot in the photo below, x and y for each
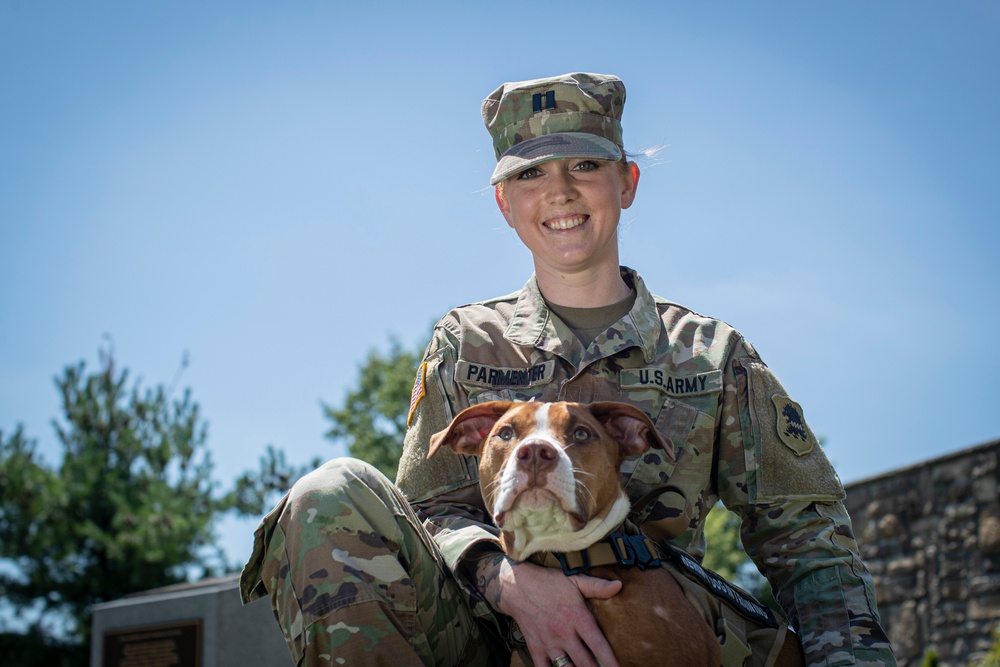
(354, 578)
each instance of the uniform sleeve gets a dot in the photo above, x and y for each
(443, 490)
(773, 472)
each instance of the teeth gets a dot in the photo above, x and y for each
(566, 223)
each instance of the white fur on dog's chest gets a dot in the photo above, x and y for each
(539, 517)
(537, 532)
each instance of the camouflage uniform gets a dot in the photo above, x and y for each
(355, 580)
(738, 436)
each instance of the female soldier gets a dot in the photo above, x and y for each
(361, 571)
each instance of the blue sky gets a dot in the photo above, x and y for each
(274, 189)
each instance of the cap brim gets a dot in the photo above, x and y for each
(553, 146)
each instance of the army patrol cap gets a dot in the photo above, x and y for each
(573, 115)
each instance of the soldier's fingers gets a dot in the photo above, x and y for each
(539, 658)
(595, 587)
(581, 656)
(596, 647)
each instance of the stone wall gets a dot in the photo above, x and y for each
(930, 534)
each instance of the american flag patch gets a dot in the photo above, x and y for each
(419, 391)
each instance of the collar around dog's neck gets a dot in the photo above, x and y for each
(625, 548)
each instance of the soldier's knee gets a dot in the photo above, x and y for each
(340, 486)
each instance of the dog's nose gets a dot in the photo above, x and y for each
(536, 455)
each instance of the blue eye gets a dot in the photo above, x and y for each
(505, 433)
(581, 434)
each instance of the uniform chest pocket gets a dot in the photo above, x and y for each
(482, 382)
(681, 405)
(676, 419)
(673, 419)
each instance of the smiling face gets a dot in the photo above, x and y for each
(566, 212)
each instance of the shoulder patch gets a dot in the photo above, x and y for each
(419, 391)
(791, 425)
(783, 458)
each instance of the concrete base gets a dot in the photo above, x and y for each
(189, 625)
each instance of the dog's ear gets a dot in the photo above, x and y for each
(631, 427)
(468, 430)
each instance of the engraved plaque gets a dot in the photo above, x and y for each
(169, 645)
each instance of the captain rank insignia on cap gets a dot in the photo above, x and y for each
(792, 428)
(541, 102)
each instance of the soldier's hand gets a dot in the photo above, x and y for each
(550, 609)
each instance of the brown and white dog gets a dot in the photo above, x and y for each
(549, 477)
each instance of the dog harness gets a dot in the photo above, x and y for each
(616, 549)
(748, 632)
(631, 550)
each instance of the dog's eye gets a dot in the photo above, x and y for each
(505, 433)
(580, 434)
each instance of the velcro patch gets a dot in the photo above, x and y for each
(419, 391)
(784, 466)
(670, 383)
(792, 429)
(504, 377)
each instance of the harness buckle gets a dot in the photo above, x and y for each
(644, 558)
(632, 550)
(620, 545)
(570, 571)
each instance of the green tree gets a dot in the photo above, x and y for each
(372, 419)
(992, 657)
(130, 506)
(724, 555)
